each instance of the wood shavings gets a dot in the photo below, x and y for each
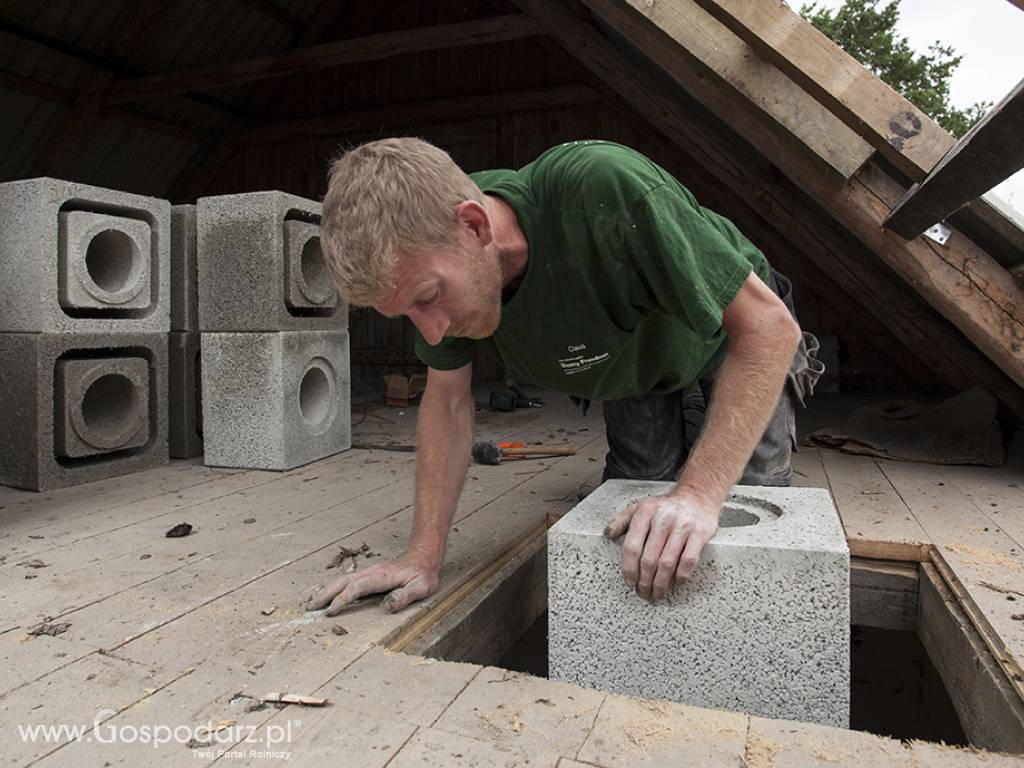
(344, 553)
(293, 698)
(761, 753)
(985, 556)
(47, 628)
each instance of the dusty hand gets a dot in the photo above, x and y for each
(406, 580)
(665, 537)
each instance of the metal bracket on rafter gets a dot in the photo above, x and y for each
(940, 233)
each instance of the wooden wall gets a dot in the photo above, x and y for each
(299, 165)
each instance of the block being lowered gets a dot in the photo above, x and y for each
(763, 627)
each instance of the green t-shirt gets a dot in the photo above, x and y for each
(626, 280)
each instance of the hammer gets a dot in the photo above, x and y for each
(490, 453)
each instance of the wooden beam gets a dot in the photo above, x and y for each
(36, 88)
(898, 130)
(405, 635)
(988, 706)
(47, 92)
(490, 619)
(273, 11)
(369, 48)
(989, 154)
(959, 279)
(747, 92)
(962, 282)
(421, 112)
(101, 62)
(754, 179)
(71, 133)
(1018, 3)
(206, 165)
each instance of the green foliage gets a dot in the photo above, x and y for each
(866, 29)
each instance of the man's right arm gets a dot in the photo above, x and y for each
(444, 439)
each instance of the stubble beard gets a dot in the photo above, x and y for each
(486, 283)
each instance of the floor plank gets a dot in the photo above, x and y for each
(878, 523)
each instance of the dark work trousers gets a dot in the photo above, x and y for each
(650, 437)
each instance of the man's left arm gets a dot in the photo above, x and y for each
(666, 534)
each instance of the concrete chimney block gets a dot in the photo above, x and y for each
(275, 400)
(763, 626)
(81, 407)
(261, 268)
(81, 259)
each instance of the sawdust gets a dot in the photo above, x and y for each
(986, 556)
(761, 753)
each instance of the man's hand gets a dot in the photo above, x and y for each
(666, 535)
(406, 580)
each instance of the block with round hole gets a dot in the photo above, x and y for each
(104, 262)
(81, 407)
(81, 259)
(103, 405)
(275, 400)
(762, 627)
(308, 284)
(260, 266)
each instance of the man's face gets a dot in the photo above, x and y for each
(452, 291)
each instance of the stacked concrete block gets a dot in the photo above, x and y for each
(80, 407)
(84, 315)
(185, 412)
(261, 267)
(763, 627)
(275, 400)
(275, 348)
(184, 395)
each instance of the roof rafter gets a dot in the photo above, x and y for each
(369, 48)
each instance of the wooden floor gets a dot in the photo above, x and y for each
(192, 631)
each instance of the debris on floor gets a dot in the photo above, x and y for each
(344, 553)
(181, 529)
(293, 698)
(268, 611)
(961, 430)
(48, 628)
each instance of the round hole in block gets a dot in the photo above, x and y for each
(734, 517)
(315, 274)
(316, 395)
(741, 511)
(109, 408)
(110, 260)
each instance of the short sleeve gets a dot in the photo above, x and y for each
(685, 260)
(449, 355)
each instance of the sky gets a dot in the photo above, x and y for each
(987, 33)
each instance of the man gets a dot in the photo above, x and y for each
(591, 271)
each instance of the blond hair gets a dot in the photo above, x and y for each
(386, 197)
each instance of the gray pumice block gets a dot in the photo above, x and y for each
(260, 265)
(81, 407)
(184, 396)
(184, 285)
(75, 258)
(763, 627)
(275, 400)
